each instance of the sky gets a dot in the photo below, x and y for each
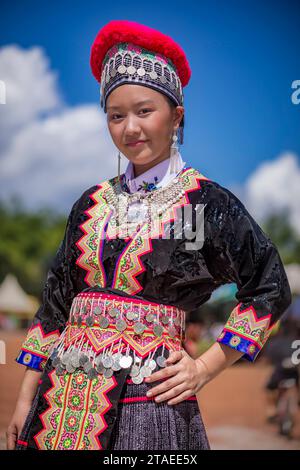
(242, 128)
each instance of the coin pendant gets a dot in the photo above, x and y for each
(150, 317)
(161, 361)
(165, 319)
(145, 371)
(134, 371)
(121, 325)
(108, 373)
(114, 312)
(104, 322)
(107, 361)
(138, 379)
(90, 321)
(126, 362)
(130, 315)
(158, 330)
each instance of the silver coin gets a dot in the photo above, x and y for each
(114, 312)
(65, 358)
(126, 362)
(150, 317)
(83, 310)
(138, 379)
(117, 356)
(121, 69)
(152, 364)
(163, 79)
(131, 70)
(141, 71)
(87, 366)
(92, 374)
(83, 359)
(172, 331)
(139, 328)
(70, 369)
(97, 310)
(75, 361)
(79, 320)
(104, 322)
(89, 321)
(158, 330)
(107, 361)
(153, 75)
(56, 361)
(108, 373)
(161, 361)
(116, 365)
(165, 319)
(100, 368)
(113, 72)
(98, 359)
(59, 370)
(145, 371)
(130, 315)
(134, 371)
(121, 325)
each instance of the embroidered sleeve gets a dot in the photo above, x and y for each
(51, 317)
(240, 252)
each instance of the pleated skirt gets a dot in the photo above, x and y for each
(143, 424)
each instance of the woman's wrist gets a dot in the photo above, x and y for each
(204, 372)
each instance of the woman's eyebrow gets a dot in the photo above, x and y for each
(139, 103)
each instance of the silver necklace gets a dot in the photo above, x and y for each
(132, 210)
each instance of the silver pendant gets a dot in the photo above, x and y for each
(130, 315)
(107, 361)
(83, 358)
(150, 317)
(145, 371)
(161, 361)
(56, 362)
(114, 312)
(59, 370)
(138, 379)
(134, 371)
(108, 373)
(139, 328)
(70, 369)
(97, 310)
(158, 330)
(92, 374)
(79, 320)
(165, 319)
(172, 331)
(87, 366)
(65, 358)
(121, 325)
(103, 321)
(152, 364)
(100, 368)
(126, 362)
(89, 321)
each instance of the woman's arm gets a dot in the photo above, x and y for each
(216, 359)
(24, 402)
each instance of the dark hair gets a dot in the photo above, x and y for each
(181, 125)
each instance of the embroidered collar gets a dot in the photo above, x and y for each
(156, 177)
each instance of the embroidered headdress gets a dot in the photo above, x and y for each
(129, 52)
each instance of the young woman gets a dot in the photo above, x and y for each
(105, 364)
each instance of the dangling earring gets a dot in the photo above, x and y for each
(174, 154)
(119, 168)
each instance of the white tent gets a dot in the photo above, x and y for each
(14, 300)
(293, 273)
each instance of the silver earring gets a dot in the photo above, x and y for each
(174, 154)
(119, 167)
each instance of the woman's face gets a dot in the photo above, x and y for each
(138, 113)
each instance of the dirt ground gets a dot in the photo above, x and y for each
(232, 405)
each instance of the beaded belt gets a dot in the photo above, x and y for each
(107, 332)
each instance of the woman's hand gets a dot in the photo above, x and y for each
(16, 424)
(185, 377)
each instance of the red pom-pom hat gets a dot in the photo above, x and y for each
(129, 31)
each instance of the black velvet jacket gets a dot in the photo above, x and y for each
(235, 249)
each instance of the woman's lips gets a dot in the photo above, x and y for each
(136, 144)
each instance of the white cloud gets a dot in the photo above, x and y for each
(274, 187)
(48, 159)
(31, 87)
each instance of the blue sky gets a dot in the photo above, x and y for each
(243, 55)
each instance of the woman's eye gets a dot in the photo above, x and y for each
(115, 116)
(147, 110)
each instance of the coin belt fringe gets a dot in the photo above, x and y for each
(106, 332)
